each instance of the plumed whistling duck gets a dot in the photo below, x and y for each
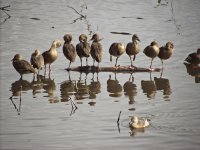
(69, 50)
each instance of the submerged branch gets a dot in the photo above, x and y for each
(123, 69)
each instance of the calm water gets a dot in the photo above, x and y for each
(40, 116)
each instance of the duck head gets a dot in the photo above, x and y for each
(57, 43)
(169, 45)
(83, 38)
(198, 51)
(134, 119)
(17, 57)
(154, 43)
(135, 38)
(67, 38)
(95, 38)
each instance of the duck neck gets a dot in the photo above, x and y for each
(53, 48)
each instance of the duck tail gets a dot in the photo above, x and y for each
(111, 58)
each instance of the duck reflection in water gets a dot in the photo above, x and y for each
(67, 89)
(163, 84)
(113, 87)
(17, 87)
(50, 87)
(130, 89)
(149, 88)
(37, 85)
(81, 89)
(193, 70)
(94, 88)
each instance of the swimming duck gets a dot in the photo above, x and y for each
(152, 51)
(22, 66)
(96, 49)
(138, 123)
(133, 48)
(194, 58)
(166, 51)
(83, 48)
(68, 49)
(51, 55)
(116, 49)
(37, 60)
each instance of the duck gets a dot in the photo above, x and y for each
(116, 49)
(69, 50)
(37, 60)
(96, 49)
(22, 66)
(166, 51)
(193, 58)
(138, 123)
(51, 55)
(152, 51)
(83, 48)
(133, 48)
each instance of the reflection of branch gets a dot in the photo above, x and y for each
(4, 9)
(20, 101)
(74, 107)
(118, 119)
(173, 19)
(84, 17)
(77, 11)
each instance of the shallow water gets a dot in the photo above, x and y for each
(40, 115)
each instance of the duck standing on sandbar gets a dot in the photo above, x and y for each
(96, 49)
(37, 60)
(51, 55)
(22, 66)
(133, 48)
(194, 58)
(83, 48)
(152, 51)
(166, 51)
(69, 50)
(116, 49)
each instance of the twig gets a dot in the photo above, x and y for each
(119, 117)
(76, 11)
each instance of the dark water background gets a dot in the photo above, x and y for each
(42, 117)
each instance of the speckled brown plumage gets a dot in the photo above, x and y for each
(37, 60)
(152, 51)
(166, 51)
(96, 49)
(69, 50)
(22, 66)
(194, 58)
(133, 48)
(83, 48)
(116, 49)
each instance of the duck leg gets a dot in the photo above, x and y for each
(93, 62)
(86, 61)
(116, 62)
(81, 61)
(151, 63)
(131, 60)
(69, 64)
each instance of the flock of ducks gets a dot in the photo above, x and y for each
(83, 49)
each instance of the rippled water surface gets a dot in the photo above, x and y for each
(40, 114)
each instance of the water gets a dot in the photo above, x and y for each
(41, 115)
